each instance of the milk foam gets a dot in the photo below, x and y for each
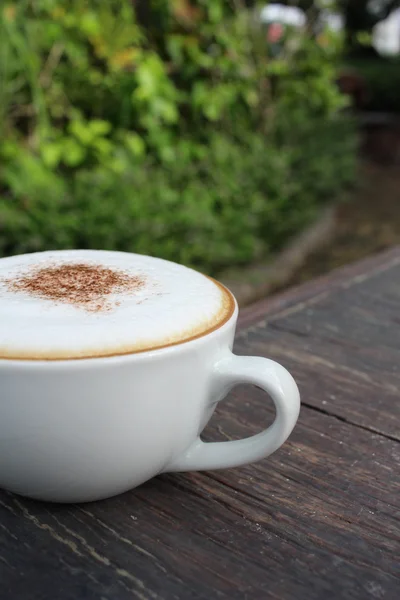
(174, 304)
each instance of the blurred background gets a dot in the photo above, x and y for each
(208, 133)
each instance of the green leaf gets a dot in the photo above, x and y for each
(103, 146)
(134, 143)
(89, 23)
(81, 131)
(73, 154)
(99, 127)
(51, 153)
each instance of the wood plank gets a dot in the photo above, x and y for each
(320, 518)
(316, 289)
(343, 347)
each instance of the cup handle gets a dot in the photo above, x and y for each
(273, 379)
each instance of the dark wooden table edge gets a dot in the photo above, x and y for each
(318, 288)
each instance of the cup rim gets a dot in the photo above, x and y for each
(116, 357)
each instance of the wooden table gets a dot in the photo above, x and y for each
(320, 519)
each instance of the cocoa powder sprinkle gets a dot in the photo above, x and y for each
(80, 284)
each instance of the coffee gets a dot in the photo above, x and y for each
(90, 303)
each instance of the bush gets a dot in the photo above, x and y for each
(233, 206)
(190, 144)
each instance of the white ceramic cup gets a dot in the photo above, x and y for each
(86, 429)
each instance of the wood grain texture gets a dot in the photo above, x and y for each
(341, 340)
(320, 519)
(322, 286)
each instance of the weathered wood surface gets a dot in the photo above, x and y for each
(320, 519)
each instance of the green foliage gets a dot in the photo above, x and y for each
(233, 205)
(172, 134)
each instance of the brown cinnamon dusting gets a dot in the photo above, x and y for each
(84, 285)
